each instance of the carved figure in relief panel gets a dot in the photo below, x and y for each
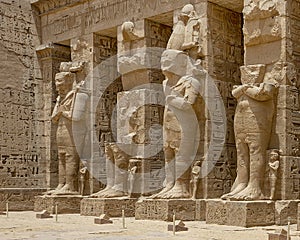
(117, 163)
(186, 33)
(273, 165)
(69, 114)
(196, 170)
(180, 125)
(134, 167)
(252, 127)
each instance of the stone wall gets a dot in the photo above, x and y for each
(81, 17)
(223, 57)
(21, 108)
(288, 116)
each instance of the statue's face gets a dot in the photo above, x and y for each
(63, 85)
(173, 61)
(252, 74)
(274, 156)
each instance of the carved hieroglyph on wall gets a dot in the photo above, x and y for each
(20, 133)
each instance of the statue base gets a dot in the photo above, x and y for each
(19, 199)
(251, 213)
(65, 203)
(240, 213)
(163, 209)
(110, 206)
(285, 210)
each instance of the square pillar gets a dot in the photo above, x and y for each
(271, 38)
(50, 57)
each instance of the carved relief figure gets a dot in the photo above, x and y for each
(82, 179)
(133, 169)
(69, 114)
(252, 127)
(273, 167)
(196, 170)
(180, 126)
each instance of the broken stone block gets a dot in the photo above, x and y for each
(280, 234)
(179, 226)
(103, 219)
(43, 214)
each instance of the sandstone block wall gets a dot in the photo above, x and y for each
(22, 162)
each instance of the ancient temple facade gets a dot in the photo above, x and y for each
(240, 42)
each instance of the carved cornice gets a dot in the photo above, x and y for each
(51, 50)
(45, 6)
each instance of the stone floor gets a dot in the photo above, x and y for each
(24, 225)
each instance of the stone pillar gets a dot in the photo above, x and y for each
(140, 112)
(271, 38)
(222, 49)
(99, 54)
(50, 56)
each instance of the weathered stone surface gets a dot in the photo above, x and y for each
(103, 219)
(19, 199)
(279, 235)
(43, 214)
(179, 226)
(65, 204)
(90, 31)
(110, 206)
(162, 209)
(286, 210)
(289, 175)
(22, 162)
(298, 218)
(58, 26)
(244, 213)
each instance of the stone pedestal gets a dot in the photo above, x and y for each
(110, 206)
(65, 204)
(240, 213)
(285, 209)
(162, 209)
(19, 199)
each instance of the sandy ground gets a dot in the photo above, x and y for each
(24, 225)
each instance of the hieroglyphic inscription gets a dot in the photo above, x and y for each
(226, 43)
(19, 110)
(17, 35)
(19, 170)
(94, 14)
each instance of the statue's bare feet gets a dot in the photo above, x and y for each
(249, 193)
(113, 193)
(101, 192)
(236, 190)
(162, 192)
(176, 193)
(66, 190)
(180, 190)
(59, 186)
